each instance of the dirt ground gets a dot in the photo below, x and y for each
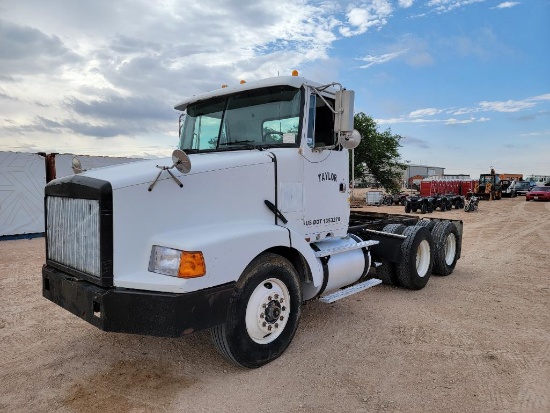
(475, 341)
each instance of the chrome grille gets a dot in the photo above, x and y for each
(73, 233)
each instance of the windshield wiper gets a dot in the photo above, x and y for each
(237, 143)
(247, 144)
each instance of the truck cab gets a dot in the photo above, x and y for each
(247, 220)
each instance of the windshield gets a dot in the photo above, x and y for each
(541, 189)
(253, 118)
(522, 185)
(485, 179)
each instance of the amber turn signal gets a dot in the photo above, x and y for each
(191, 265)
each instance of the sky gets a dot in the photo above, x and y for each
(465, 83)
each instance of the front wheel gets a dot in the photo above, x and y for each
(263, 315)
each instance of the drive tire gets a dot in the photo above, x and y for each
(446, 247)
(386, 271)
(423, 208)
(407, 207)
(268, 289)
(414, 270)
(426, 224)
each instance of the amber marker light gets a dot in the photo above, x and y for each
(191, 265)
(294, 73)
(243, 82)
(224, 86)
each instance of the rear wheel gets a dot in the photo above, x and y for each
(430, 207)
(426, 223)
(446, 247)
(407, 207)
(386, 271)
(423, 208)
(413, 272)
(263, 313)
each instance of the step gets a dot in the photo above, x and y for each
(338, 295)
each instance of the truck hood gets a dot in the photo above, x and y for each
(145, 171)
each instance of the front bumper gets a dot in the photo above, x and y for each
(135, 311)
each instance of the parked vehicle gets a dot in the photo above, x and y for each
(143, 248)
(456, 201)
(471, 204)
(417, 203)
(442, 202)
(538, 193)
(387, 200)
(508, 188)
(399, 198)
(488, 187)
(522, 187)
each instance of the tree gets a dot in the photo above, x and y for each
(378, 153)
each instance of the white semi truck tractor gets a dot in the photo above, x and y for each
(247, 221)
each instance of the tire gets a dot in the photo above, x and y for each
(442, 207)
(423, 208)
(394, 228)
(386, 271)
(407, 207)
(446, 247)
(263, 314)
(430, 208)
(426, 224)
(414, 209)
(414, 271)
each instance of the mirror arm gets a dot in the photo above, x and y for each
(167, 169)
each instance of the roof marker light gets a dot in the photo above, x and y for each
(243, 82)
(295, 73)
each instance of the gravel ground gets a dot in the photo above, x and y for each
(476, 341)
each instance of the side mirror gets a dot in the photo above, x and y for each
(76, 165)
(343, 121)
(349, 140)
(181, 161)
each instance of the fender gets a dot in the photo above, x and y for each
(301, 245)
(241, 241)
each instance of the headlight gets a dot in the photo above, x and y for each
(176, 263)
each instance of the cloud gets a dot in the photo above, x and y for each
(376, 60)
(117, 108)
(429, 115)
(472, 119)
(361, 18)
(422, 120)
(419, 143)
(536, 134)
(26, 50)
(424, 112)
(405, 3)
(507, 106)
(444, 6)
(506, 5)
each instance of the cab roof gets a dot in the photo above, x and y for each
(293, 81)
